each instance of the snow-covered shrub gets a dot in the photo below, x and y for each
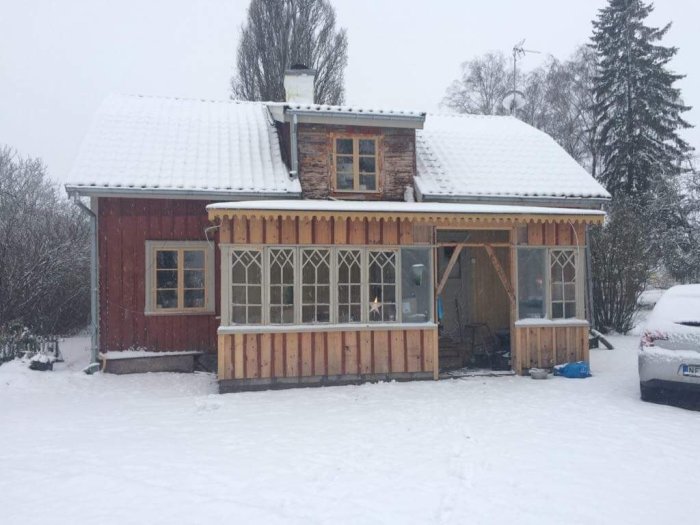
(44, 250)
(17, 340)
(624, 257)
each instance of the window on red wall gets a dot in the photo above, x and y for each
(179, 277)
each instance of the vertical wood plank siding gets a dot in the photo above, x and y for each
(326, 354)
(546, 346)
(347, 353)
(124, 226)
(549, 345)
(399, 352)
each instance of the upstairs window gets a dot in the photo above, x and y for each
(356, 164)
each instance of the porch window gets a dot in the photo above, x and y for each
(532, 300)
(349, 264)
(382, 286)
(179, 277)
(246, 286)
(355, 163)
(416, 284)
(281, 288)
(315, 285)
(548, 283)
(563, 283)
(326, 284)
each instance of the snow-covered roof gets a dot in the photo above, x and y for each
(160, 144)
(462, 156)
(398, 207)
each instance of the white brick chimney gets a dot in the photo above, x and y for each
(299, 84)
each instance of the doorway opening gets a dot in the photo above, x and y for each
(474, 298)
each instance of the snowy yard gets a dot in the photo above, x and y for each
(166, 448)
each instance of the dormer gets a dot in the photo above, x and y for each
(346, 152)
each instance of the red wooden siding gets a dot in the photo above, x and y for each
(124, 226)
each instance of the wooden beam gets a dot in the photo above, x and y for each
(472, 244)
(450, 265)
(501, 273)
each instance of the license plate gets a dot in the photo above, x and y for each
(691, 370)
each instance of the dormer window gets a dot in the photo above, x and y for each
(356, 163)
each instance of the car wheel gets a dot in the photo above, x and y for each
(648, 393)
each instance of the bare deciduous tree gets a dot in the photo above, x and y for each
(558, 97)
(481, 87)
(282, 33)
(44, 251)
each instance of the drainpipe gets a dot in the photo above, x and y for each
(94, 331)
(293, 147)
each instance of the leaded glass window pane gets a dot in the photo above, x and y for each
(281, 267)
(349, 286)
(382, 286)
(315, 285)
(246, 286)
(563, 283)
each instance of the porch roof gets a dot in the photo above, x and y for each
(437, 212)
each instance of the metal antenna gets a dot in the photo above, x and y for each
(518, 52)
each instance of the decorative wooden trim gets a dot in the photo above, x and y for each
(441, 220)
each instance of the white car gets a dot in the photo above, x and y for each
(669, 351)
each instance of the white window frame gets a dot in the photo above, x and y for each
(579, 280)
(226, 253)
(364, 293)
(227, 277)
(150, 307)
(302, 251)
(397, 284)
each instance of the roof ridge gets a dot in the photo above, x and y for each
(470, 115)
(189, 99)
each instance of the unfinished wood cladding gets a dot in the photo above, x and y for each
(344, 353)
(398, 162)
(309, 230)
(561, 234)
(124, 226)
(546, 346)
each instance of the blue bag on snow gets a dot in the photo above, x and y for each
(574, 370)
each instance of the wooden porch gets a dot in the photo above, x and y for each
(269, 356)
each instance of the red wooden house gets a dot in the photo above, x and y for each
(303, 244)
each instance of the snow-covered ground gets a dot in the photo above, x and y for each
(165, 448)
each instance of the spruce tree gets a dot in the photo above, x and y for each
(638, 111)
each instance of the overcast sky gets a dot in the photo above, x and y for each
(58, 60)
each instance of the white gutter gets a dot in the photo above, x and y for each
(530, 200)
(166, 193)
(359, 119)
